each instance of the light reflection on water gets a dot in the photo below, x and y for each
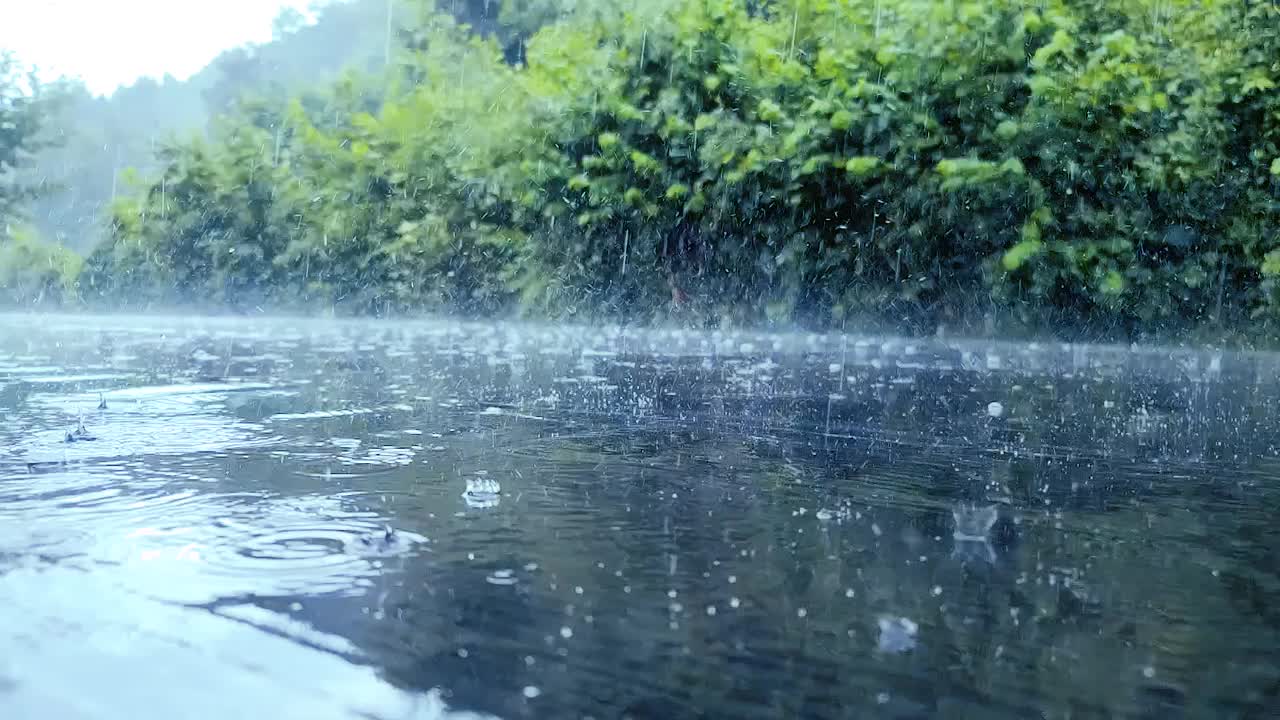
(366, 519)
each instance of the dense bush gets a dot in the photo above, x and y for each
(1105, 167)
(35, 273)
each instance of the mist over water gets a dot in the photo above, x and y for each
(372, 519)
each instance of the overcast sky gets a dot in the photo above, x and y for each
(109, 43)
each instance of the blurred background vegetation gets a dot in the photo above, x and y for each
(1096, 169)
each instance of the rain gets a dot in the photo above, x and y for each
(498, 359)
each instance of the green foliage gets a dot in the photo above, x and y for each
(401, 207)
(1103, 166)
(36, 273)
(93, 140)
(325, 203)
(205, 231)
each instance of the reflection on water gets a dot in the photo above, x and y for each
(393, 520)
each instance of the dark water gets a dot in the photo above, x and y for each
(685, 525)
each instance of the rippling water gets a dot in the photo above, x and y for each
(309, 519)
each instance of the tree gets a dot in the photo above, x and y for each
(1102, 168)
(22, 108)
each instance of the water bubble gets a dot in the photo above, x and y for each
(897, 634)
(995, 409)
(501, 577)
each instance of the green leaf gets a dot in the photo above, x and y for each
(644, 163)
(1013, 166)
(769, 111)
(1271, 264)
(1113, 283)
(861, 165)
(1259, 82)
(1061, 44)
(677, 191)
(1017, 255)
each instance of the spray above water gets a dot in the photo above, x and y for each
(482, 493)
(974, 523)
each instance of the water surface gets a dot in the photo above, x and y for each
(271, 520)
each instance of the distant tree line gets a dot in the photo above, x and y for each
(1098, 168)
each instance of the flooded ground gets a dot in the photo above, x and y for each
(305, 519)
